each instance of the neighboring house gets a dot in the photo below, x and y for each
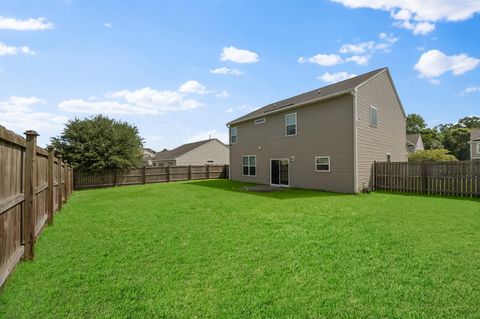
(475, 144)
(324, 139)
(206, 152)
(148, 154)
(414, 143)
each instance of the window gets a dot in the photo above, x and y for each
(373, 116)
(210, 161)
(291, 124)
(322, 164)
(389, 157)
(478, 147)
(233, 135)
(249, 165)
(260, 121)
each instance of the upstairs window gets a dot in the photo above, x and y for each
(233, 135)
(249, 165)
(373, 116)
(291, 124)
(322, 164)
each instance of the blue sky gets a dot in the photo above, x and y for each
(161, 64)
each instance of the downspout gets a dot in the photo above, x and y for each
(355, 161)
(229, 154)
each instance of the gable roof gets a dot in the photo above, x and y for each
(331, 90)
(179, 151)
(413, 138)
(475, 135)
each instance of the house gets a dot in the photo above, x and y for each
(148, 154)
(475, 144)
(324, 139)
(414, 143)
(211, 151)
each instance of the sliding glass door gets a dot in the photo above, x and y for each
(279, 172)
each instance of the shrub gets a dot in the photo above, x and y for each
(436, 155)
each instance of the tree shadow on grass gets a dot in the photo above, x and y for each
(281, 193)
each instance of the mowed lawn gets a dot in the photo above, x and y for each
(207, 249)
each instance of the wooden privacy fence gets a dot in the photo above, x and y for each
(451, 178)
(146, 175)
(33, 185)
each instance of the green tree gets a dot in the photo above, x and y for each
(415, 123)
(99, 142)
(455, 139)
(431, 139)
(438, 155)
(469, 122)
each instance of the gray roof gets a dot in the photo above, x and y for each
(475, 135)
(413, 138)
(149, 150)
(325, 91)
(179, 151)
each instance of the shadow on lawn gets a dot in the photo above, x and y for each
(433, 196)
(282, 193)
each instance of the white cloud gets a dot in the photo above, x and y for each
(323, 59)
(361, 47)
(213, 133)
(359, 59)
(146, 101)
(419, 16)
(229, 110)
(223, 94)
(20, 114)
(335, 77)
(226, 71)
(192, 86)
(24, 25)
(434, 63)
(108, 25)
(10, 50)
(470, 90)
(435, 81)
(239, 55)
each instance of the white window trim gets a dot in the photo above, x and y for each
(329, 164)
(249, 165)
(296, 124)
(236, 135)
(370, 116)
(478, 147)
(260, 121)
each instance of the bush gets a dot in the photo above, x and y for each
(436, 155)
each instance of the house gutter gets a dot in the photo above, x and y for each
(323, 98)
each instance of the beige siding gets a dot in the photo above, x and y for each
(389, 136)
(323, 129)
(212, 151)
(473, 150)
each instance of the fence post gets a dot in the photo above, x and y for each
(424, 178)
(144, 174)
(50, 199)
(65, 178)
(189, 172)
(59, 190)
(168, 173)
(29, 189)
(208, 171)
(374, 182)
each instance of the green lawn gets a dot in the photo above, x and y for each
(207, 249)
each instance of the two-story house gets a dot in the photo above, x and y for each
(475, 144)
(414, 143)
(324, 139)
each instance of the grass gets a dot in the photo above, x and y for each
(207, 249)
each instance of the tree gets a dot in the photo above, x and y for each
(439, 155)
(469, 122)
(455, 139)
(431, 139)
(99, 142)
(415, 124)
